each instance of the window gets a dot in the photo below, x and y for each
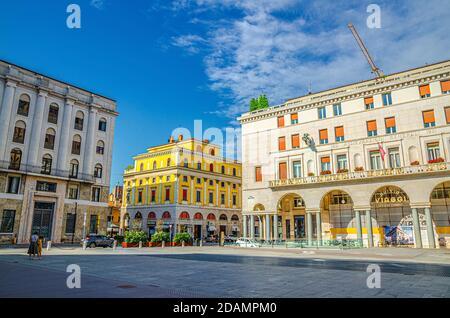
(185, 179)
(433, 151)
(184, 194)
(19, 132)
(223, 169)
(339, 133)
(93, 224)
(199, 181)
(258, 174)
(222, 184)
(7, 225)
(322, 112)
(282, 171)
(101, 148)
(325, 164)
(294, 119)
(15, 159)
(199, 165)
(368, 102)
(447, 115)
(372, 128)
(222, 198)
(73, 192)
(168, 162)
(394, 158)
(390, 125)
(98, 171)
(139, 196)
(281, 143)
(323, 136)
(49, 142)
(428, 118)
(102, 124)
(73, 173)
(46, 164)
(295, 140)
(24, 105)
(76, 145)
(70, 223)
(297, 169)
(387, 99)
(153, 196)
(211, 197)
(167, 198)
(53, 114)
(337, 109)
(46, 186)
(280, 121)
(445, 87)
(375, 160)
(13, 185)
(95, 194)
(424, 91)
(79, 120)
(185, 163)
(212, 152)
(198, 196)
(211, 182)
(234, 199)
(234, 172)
(341, 162)
(154, 165)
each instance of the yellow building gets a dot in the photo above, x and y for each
(188, 185)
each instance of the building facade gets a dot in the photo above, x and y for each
(367, 161)
(115, 204)
(187, 186)
(55, 157)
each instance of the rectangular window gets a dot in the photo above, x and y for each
(73, 192)
(325, 164)
(78, 123)
(295, 141)
(390, 125)
(425, 91)
(282, 171)
(95, 194)
(49, 142)
(341, 162)
(339, 133)
(337, 109)
(394, 158)
(23, 108)
(447, 115)
(7, 225)
(199, 196)
(280, 121)
(19, 135)
(93, 224)
(322, 112)
(433, 151)
(428, 118)
(375, 160)
(222, 198)
(297, 169)
(281, 143)
(234, 199)
(153, 198)
(185, 192)
(445, 87)
(13, 185)
(294, 119)
(167, 198)
(211, 198)
(368, 101)
(70, 223)
(258, 174)
(372, 128)
(323, 136)
(76, 147)
(45, 186)
(387, 99)
(140, 196)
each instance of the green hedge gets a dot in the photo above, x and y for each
(136, 237)
(159, 237)
(179, 237)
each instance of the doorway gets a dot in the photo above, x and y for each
(299, 226)
(197, 231)
(43, 219)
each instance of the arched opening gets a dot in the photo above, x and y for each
(49, 142)
(198, 216)
(79, 120)
(223, 217)
(291, 217)
(100, 147)
(98, 171)
(15, 159)
(440, 213)
(151, 216)
(211, 217)
(199, 149)
(168, 162)
(126, 222)
(46, 164)
(212, 152)
(211, 230)
(53, 112)
(184, 216)
(337, 215)
(211, 167)
(24, 105)
(151, 224)
(19, 132)
(199, 165)
(166, 215)
(235, 217)
(74, 165)
(76, 145)
(137, 222)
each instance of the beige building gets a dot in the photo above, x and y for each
(367, 162)
(55, 157)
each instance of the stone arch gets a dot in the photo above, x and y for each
(198, 216)
(223, 217)
(337, 214)
(259, 207)
(440, 212)
(289, 201)
(184, 215)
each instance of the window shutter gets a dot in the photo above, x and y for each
(294, 116)
(339, 131)
(323, 134)
(295, 141)
(368, 100)
(281, 143)
(325, 159)
(424, 90)
(372, 125)
(282, 171)
(390, 122)
(258, 175)
(447, 114)
(428, 116)
(281, 121)
(445, 86)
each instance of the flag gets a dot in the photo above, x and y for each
(382, 152)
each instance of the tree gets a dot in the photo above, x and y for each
(254, 105)
(263, 102)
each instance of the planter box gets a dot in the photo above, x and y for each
(128, 245)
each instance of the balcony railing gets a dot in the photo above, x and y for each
(25, 168)
(369, 174)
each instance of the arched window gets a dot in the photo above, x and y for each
(199, 165)
(79, 120)
(73, 173)
(19, 132)
(76, 145)
(100, 147)
(223, 169)
(24, 105)
(211, 217)
(184, 216)
(235, 217)
(98, 170)
(211, 167)
(102, 124)
(223, 217)
(152, 216)
(138, 215)
(198, 216)
(212, 152)
(50, 139)
(166, 215)
(46, 164)
(15, 159)
(53, 112)
(168, 162)
(154, 165)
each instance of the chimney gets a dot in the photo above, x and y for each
(180, 137)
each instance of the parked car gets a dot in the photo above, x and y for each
(230, 239)
(244, 242)
(93, 241)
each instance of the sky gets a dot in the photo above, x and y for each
(168, 63)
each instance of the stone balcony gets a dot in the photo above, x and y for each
(361, 175)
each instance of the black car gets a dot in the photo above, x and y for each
(93, 241)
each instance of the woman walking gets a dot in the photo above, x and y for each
(39, 247)
(33, 248)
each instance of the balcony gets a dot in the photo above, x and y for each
(370, 174)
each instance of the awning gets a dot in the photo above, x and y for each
(211, 228)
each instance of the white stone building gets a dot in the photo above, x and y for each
(367, 162)
(55, 157)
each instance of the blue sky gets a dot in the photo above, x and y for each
(168, 63)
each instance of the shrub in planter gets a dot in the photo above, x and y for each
(415, 163)
(325, 172)
(310, 174)
(437, 160)
(358, 169)
(159, 237)
(136, 237)
(180, 237)
(342, 171)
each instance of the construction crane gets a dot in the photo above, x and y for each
(363, 48)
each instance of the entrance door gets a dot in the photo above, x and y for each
(43, 219)
(299, 226)
(197, 231)
(223, 228)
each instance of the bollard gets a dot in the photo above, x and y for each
(115, 244)
(84, 245)
(182, 243)
(140, 244)
(201, 243)
(49, 245)
(163, 244)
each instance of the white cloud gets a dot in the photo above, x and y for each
(99, 4)
(189, 42)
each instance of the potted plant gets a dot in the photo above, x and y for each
(359, 169)
(182, 237)
(415, 163)
(132, 239)
(158, 238)
(437, 160)
(342, 170)
(310, 174)
(325, 172)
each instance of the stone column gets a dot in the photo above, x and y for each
(430, 231)
(267, 227)
(319, 227)
(5, 117)
(252, 227)
(369, 228)
(244, 226)
(176, 190)
(275, 227)
(90, 142)
(416, 223)
(133, 193)
(359, 234)
(147, 195)
(309, 227)
(67, 125)
(192, 191)
(36, 130)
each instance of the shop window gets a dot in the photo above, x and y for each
(8, 218)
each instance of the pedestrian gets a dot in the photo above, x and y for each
(32, 249)
(39, 246)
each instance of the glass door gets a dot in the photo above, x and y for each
(43, 219)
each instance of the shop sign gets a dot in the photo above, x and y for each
(390, 196)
